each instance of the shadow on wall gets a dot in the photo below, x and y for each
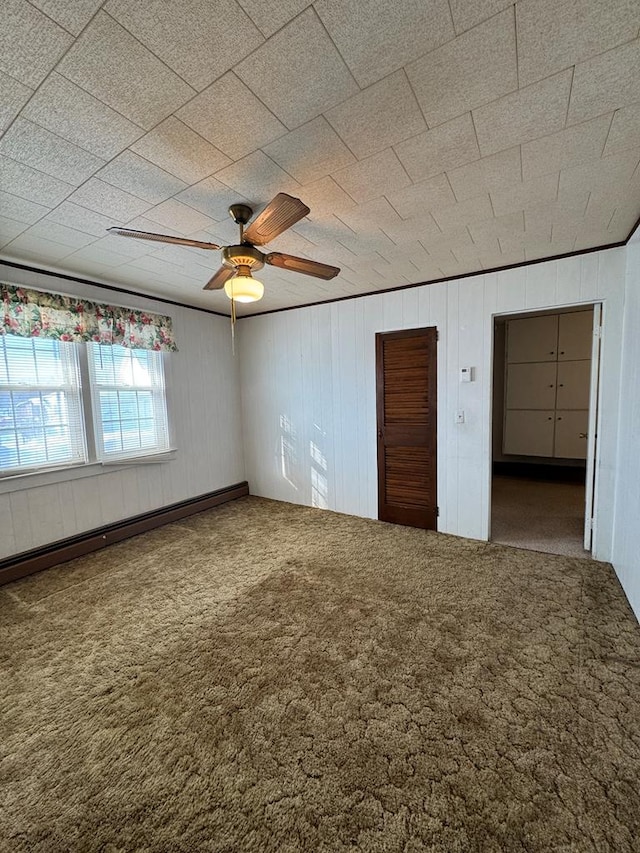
(290, 466)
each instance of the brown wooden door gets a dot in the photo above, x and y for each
(406, 401)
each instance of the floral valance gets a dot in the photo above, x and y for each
(33, 313)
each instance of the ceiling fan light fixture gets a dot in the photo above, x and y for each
(243, 287)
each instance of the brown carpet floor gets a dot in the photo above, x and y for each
(267, 677)
(539, 515)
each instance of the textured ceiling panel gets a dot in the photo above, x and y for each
(181, 34)
(30, 43)
(377, 37)
(111, 64)
(471, 70)
(13, 96)
(298, 73)
(378, 117)
(230, 116)
(553, 34)
(429, 139)
(67, 110)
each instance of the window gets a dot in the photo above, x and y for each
(129, 411)
(47, 387)
(41, 420)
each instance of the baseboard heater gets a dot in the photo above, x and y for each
(63, 550)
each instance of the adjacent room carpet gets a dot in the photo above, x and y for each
(267, 677)
(538, 514)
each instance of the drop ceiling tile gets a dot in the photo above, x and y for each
(13, 96)
(108, 201)
(298, 73)
(111, 64)
(487, 174)
(269, 17)
(36, 147)
(469, 13)
(21, 209)
(177, 149)
(542, 188)
(81, 219)
(609, 178)
(469, 71)
(325, 197)
(141, 178)
(323, 231)
(527, 114)
(48, 230)
(257, 178)
(230, 116)
(378, 175)
(458, 216)
(124, 246)
(72, 16)
(311, 151)
(93, 254)
(173, 214)
(423, 228)
(68, 111)
(27, 183)
(500, 226)
(423, 197)
(605, 83)
(556, 34)
(574, 145)
(27, 246)
(377, 37)
(372, 215)
(625, 130)
(385, 113)
(210, 197)
(30, 43)
(445, 147)
(200, 41)
(9, 229)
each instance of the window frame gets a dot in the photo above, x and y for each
(16, 479)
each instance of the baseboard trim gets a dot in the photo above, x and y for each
(29, 562)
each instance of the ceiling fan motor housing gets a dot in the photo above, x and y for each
(242, 255)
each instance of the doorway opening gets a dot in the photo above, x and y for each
(544, 442)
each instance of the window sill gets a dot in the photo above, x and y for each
(34, 479)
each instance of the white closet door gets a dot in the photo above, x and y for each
(574, 384)
(531, 386)
(575, 336)
(529, 433)
(571, 434)
(532, 339)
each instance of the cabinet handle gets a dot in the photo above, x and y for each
(549, 419)
(583, 435)
(559, 419)
(561, 352)
(552, 352)
(550, 386)
(561, 385)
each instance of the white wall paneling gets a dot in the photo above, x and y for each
(626, 537)
(204, 411)
(315, 366)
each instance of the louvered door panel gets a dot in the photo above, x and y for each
(406, 397)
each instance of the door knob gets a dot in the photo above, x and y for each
(584, 435)
(379, 433)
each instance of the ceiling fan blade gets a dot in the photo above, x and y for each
(281, 213)
(303, 265)
(219, 279)
(162, 238)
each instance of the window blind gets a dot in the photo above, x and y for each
(41, 420)
(129, 408)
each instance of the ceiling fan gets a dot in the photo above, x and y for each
(239, 260)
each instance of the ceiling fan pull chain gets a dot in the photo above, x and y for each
(233, 323)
